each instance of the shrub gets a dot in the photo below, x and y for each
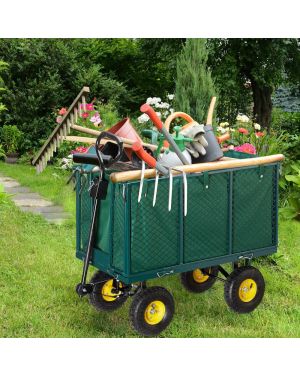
(10, 137)
(289, 121)
(194, 85)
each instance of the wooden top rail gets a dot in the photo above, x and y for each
(62, 129)
(200, 167)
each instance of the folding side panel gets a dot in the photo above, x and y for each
(206, 223)
(254, 208)
(155, 232)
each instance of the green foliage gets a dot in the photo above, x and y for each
(289, 121)
(2, 152)
(3, 68)
(259, 65)
(291, 184)
(3, 196)
(194, 84)
(10, 137)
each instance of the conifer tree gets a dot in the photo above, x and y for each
(194, 84)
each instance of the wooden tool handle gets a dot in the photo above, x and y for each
(200, 167)
(211, 111)
(126, 141)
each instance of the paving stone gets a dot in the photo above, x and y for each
(27, 196)
(56, 215)
(9, 184)
(16, 190)
(29, 201)
(44, 209)
(32, 202)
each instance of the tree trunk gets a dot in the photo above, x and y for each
(262, 104)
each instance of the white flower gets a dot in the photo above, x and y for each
(158, 114)
(257, 127)
(170, 96)
(149, 100)
(221, 130)
(166, 113)
(171, 110)
(242, 118)
(232, 130)
(165, 105)
(143, 118)
(223, 124)
(226, 129)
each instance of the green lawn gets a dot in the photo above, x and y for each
(39, 271)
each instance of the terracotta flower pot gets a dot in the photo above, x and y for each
(11, 158)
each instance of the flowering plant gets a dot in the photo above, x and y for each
(162, 109)
(89, 117)
(245, 135)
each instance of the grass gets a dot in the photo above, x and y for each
(39, 271)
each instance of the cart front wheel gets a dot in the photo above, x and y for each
(199, 280)
(152, 310)
(104, 296)
(244, 289)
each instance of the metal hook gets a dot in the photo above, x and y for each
(184, 193)
(170, 189)
(141, 182)
(155, 188)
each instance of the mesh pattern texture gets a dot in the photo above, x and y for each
(253, 208)
(154, 230)
(206, 223)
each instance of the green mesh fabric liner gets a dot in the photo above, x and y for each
(206, 223)
(254, 211)
(154, 230)
(118, 237)
(85, 212)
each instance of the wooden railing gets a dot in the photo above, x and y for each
(62, 130)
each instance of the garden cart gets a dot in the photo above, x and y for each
(136, 225)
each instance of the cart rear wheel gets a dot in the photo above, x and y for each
(103, 296)
(199, 280)
(152, 310)
(244, 289)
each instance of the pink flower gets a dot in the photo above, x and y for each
(259, 134)
(90, 107)
(79, 149)
(248, 148)
(59, 119)
(243, 131)
(62, 111)
(96, 120)
(85, 115)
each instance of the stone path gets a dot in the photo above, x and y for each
(29, 201)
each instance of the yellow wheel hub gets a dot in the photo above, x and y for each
(199, 276)
(107, 293)
(247, 290)
(155, 312)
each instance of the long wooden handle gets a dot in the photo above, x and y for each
(211, 111)
(200, 167)
(127, 141)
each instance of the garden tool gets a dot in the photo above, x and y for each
(198, 144)
(137, 147)
(98, 191)
(204, 138)
(145, 108)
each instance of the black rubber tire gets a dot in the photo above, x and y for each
(232, 285)
(191, 285)
(96, 299)
(139, 304)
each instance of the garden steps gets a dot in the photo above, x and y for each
(29, 201)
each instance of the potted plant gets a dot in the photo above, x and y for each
(10, 138)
